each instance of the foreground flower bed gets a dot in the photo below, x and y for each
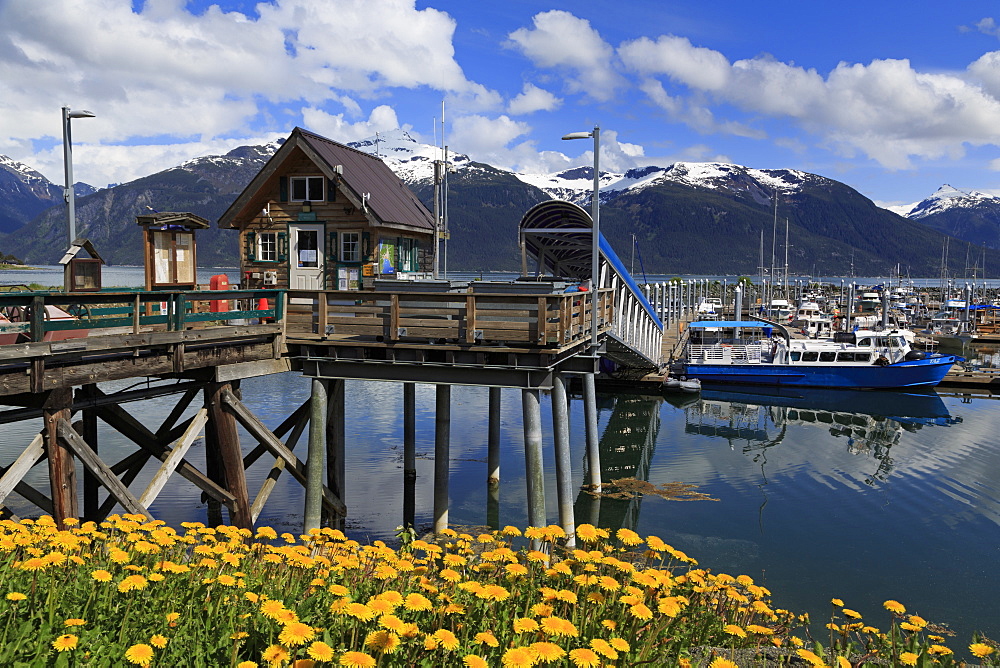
(135, 592)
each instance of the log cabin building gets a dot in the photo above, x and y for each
(324, 216)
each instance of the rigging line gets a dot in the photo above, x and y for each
(641, 267)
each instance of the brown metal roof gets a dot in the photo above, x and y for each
(388, 199)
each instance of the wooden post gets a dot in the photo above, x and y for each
(91, 504)
(593, 438)
(534, 474)
(222, 452)
(62, 472)
(336, 448)
(442, 456)
(409, 453)
(313, 515)
(564, 466)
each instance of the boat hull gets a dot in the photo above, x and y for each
(927, 372)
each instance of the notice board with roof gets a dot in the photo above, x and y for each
(169, 249)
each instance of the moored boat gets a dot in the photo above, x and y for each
(758, 352)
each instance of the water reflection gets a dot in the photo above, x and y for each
(868, 423)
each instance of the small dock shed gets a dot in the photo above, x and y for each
(324, 216)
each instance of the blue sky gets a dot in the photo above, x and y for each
(894, 99)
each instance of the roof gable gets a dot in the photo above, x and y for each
(366, 181)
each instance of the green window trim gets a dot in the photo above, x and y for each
(331, 247)
(250, 246)
(282, 246)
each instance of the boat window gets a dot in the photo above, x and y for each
(827, 356)
(845, 357)
(810, 356)
(862, 357)
(900, 342)
(865, 342)
(880, 342)
(796, 356)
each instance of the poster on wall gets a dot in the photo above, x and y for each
(386, 254)
(348, 278)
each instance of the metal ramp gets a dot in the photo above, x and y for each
(556, 237)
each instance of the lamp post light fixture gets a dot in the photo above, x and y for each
(595, 247)
(68, 193)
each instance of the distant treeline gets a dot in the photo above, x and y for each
(9, 259)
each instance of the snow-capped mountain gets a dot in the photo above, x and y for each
(945, 198)
(971, 216)
(24, 193)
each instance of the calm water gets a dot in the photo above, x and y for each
(861, 496)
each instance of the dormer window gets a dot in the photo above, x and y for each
(307, 188)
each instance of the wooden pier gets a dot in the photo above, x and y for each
(203, 343)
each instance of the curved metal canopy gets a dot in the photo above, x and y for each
(558, 235)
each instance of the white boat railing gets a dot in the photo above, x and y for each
(724, 354)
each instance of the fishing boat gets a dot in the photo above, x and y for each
(760, 352)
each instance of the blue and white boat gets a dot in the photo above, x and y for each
(759, 352)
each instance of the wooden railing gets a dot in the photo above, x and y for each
(45, 316)
(453, 317)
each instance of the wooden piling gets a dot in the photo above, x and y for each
(531, 412)
(409, 453)
(442, 456)
(313, 514)
(62, 472)
(223, 453)
(336, 449)
(564, 466)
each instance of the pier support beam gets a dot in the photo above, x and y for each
(91, 484)
(564, 466)
(409, 453)
(534, 474)
(223, 455)
(493, 461)
(442, 456)
(336, 445)
(593, 439)
(62, 472)
(313, 515)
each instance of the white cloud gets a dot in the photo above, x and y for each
(336, 128)
(164, 72)
(885, 110)
(484, 137)
(533, 99)
(561, 40)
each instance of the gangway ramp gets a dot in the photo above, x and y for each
(557, 240)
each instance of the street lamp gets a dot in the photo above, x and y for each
(595, 247)
(68, 193)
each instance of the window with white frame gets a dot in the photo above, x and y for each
(307, 188)
(350, 247)
(267, 247)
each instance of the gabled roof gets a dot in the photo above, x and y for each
(77, 246)
(366, 181)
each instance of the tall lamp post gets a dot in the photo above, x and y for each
(595, 246)
(68, 194)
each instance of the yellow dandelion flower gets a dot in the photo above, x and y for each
(811, 657)
(547, 652)
(583, 657)
(837, 602)
(359, 611)
(980, 650)
(588, 533)
(843, 662)
(275, 655)
(604, 648)
(640, 611)
(908, 659)
(525, 625)
(140, 654)
(65, 643)
(518, 657)
(759, 630)
(939, 649)
(385, 642)
(320, 651)
(495, 593)
(247, 664)
(486, 638)
(75, 621)
(101, 575)
(172, 617)
(226, 580)
(357, 660)
(296, 633)
(474, 661)
(894, 607)
(16, 596)
(270, 608)
(158, 641)
(132, 583)
(416, 602)
(447, 639)
(628, 537)
(734, 630)
(619, 644)
(720, 662)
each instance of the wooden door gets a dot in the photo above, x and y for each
(306, 264)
